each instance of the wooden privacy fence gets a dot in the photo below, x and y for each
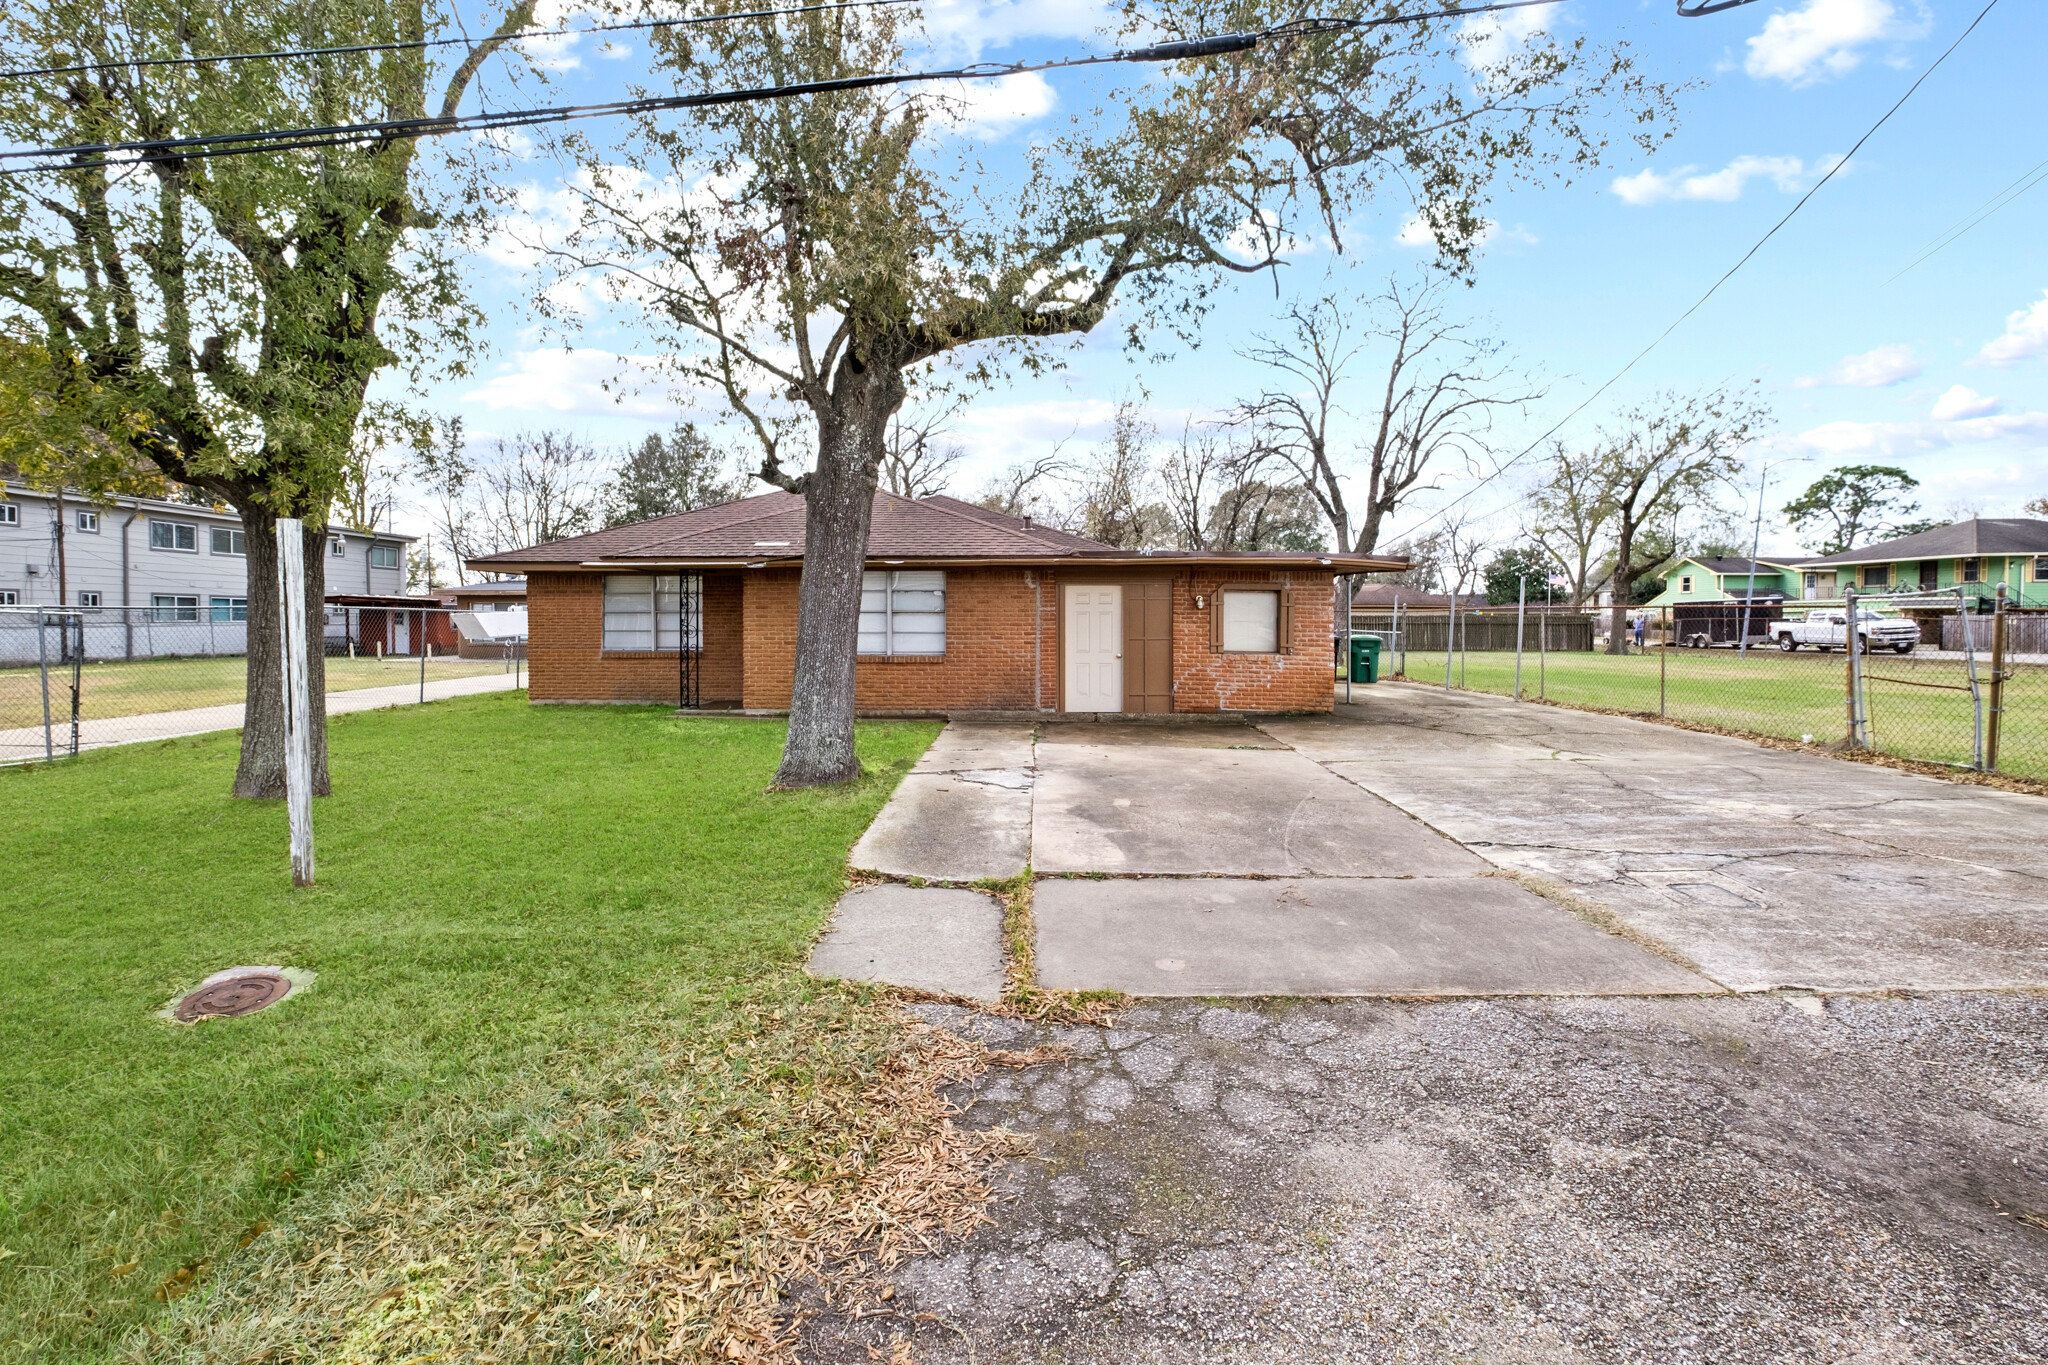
(1482, 632)
(2024, 633)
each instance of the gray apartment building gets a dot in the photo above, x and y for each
(159, 577)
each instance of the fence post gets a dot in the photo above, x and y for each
(1400, 640)
(1451, 640)
(77, 682)
(1976, 691)
(1521, 618)
(298, 705)
(1855, 736)
(422, 643)
(1663, 652)
(1997, 681)
(43, 666)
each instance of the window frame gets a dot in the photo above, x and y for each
(384, 549)
(225, 609)
(890, 584)
(1970, 570)
(165, 606)
(337, 547)
(1685, 582)
(213, 538)
(10, 597)
(87, 521)
(658, 620)
(1871, 579)
(2040, 568)
(10, 514)
(1279, 598)
(88, 599)
(189, 528)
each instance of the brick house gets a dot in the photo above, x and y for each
(964, 609)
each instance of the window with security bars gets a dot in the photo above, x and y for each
(903, 611)
(643, 612)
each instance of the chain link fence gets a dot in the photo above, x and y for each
(78, 678)
(1931, 679)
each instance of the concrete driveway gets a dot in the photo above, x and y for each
(1728, 1169)
(1433, 843)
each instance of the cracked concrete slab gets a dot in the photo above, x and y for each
(1216, 936)
(962, 814)
(1815, 873)
(1568, 1182)
(1127, 804)
(936, 939)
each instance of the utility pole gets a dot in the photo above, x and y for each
(1756, 537)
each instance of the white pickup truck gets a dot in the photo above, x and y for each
(1826, 629)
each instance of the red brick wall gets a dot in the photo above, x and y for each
(565, 656)
(991, 641)
(990, 646)
(1207, 680)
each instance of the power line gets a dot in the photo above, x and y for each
(1980, 213)
(416, 44)
(1716, 286)
(111, 154)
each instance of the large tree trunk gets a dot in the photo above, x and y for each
(261, 772)
(1617, 620)
(838, 506)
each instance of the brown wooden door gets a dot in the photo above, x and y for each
(1148, 646)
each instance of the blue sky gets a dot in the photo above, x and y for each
(1943, 370)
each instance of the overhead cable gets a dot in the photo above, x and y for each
(1715, 288)
(87, 156)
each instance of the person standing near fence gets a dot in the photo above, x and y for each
(1642, 619)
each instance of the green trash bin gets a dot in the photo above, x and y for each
(1365, 658)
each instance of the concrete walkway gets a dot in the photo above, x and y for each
(27, 743)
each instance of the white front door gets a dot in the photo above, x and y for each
(1094, 648)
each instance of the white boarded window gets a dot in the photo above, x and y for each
(1251, 622)
(903, 611)
(644, 612)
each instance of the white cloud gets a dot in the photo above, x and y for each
(1895, 440)
(1724, 186)
(1416, 232)
(1825, 38)
(579, 383)
(1960, 402)
(997, 106)
(1881, 368)
(2026, 336)
(1491, 39)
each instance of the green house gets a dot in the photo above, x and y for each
(1976, 555)
(1718, 578)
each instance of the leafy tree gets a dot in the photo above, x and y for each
(225, 316)
(1441, 388)
(1117, 506)
(1256, 515)
(2036, 507)
(665, 474)
(1856, 502)
(1653, 466)
(1508, 569)
(1569, 516)
(824, 250)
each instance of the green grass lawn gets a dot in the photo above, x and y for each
(115, 689)
(503, 890)
(1772, 693)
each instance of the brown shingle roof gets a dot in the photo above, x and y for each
(771, 527)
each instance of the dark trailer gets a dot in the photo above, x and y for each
(1701, 625)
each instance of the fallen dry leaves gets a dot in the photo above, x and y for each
(645, 1213)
